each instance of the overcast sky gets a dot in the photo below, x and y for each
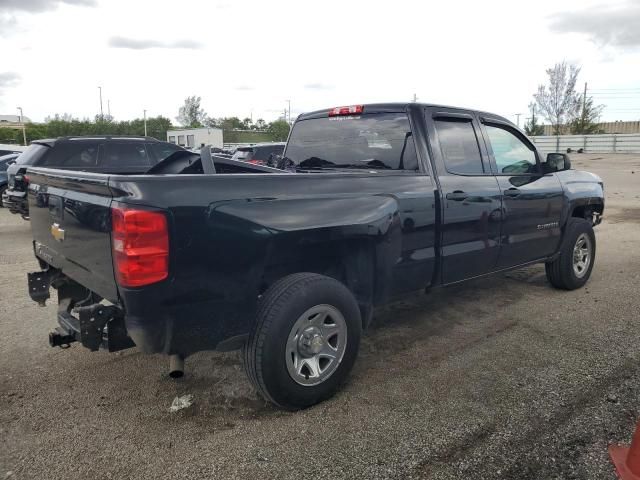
(248, 57)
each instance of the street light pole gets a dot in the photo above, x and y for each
(145, 123)
(24, 129)
(289, 102)
(101, 112)
(517, 119)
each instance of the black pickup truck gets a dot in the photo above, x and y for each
(376, 201)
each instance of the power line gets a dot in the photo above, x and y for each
(613, 89)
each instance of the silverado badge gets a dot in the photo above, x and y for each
(57, 232)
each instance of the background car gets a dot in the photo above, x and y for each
(99, 154)
(259, 153)
(5, 161)
(6, 149)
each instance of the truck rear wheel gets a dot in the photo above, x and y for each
(305, 340)
(572, 268)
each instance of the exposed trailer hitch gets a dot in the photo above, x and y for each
(81, 315)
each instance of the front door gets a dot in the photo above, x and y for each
(471, 200)
(531, 202)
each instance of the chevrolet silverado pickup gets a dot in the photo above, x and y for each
(374, 201)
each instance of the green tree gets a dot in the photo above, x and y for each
(260, 124)
(190, 114)
(532, 127)
(279, 130)
(587, 122)
(558, 101)
(247, 123)
(65, 125)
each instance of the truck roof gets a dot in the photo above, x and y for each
(396, 107)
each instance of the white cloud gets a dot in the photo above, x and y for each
(143, 44)
(617, 25)
(8, 80)
(41, 5)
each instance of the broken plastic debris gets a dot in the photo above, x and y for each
(179, 403)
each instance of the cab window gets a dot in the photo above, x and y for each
(512, 155)
(459, 146)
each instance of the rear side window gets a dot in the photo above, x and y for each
(72, 154)
(459, 146)
(125, 154)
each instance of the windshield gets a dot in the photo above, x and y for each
(375, 141)
(32, 154)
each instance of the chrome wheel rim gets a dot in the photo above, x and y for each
(316, 345)
(581, 255)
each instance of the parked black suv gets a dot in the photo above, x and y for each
(99, 154)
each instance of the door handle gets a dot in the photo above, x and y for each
(457, 195)
(511, 192)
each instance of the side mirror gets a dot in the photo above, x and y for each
(557, 162)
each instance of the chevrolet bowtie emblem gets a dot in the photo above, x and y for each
(57, 232)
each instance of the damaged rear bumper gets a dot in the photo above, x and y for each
(82, 317)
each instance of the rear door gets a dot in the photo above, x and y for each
(532, 202)
(471, 201)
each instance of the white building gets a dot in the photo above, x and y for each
(196, 137)
(14, 119)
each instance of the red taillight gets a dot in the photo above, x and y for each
(140, 242)
(350, 110)
(25, 179)
(257, 162)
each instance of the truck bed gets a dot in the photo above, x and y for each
(228, 233)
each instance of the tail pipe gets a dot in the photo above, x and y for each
(176, 365)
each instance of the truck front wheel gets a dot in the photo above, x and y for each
(572, 268)
(305, 340)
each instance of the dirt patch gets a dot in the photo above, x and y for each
(622, 215)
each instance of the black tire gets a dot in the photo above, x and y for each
(280, 308)
(2, 190)
(561, 272)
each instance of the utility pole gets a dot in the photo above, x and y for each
(415, 98)
(289, 121)
(109, 108)
(24, 128)
(584, 105)
(517, 119)
(101, 113)
(145, 123)
(533, 112)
